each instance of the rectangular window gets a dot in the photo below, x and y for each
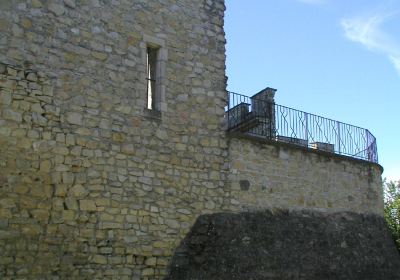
(152, 77)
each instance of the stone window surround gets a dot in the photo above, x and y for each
(162, 56)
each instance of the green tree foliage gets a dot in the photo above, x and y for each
(392, 208)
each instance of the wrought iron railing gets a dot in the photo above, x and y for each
(283, 124)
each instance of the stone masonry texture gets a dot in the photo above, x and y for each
(287, 245)
(95, 186)
(263, 174)
(92, 185)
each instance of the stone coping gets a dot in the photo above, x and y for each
(306, 149)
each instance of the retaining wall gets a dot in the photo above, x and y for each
(266, 174)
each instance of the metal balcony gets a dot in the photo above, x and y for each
(262, 117)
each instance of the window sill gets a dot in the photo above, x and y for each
(152, 114)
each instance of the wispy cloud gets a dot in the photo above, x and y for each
(314, 2)
(368, 31)
(396, 62)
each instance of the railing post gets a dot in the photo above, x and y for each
(229, 110)
(270, 104)
(368, 146)
(306, 128)
(338, 136)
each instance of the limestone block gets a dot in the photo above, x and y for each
(37, 108)
(148, 272)
(57, 9)
(60, 150)
(118, 137)
(28, 202)
(41, 191)
(7, 203)
(5, 97)
(70, 3)
(6, 260)
(131, 219)
(40, 215)
(31, 76)
(70, 139)
(100, 259)
(12, 115)
(129, 62)
(21, 189)
(74, 118)
(106, 217)
(111, 225)
(99, 55)
(172, 223)
(71, 203)
(105, 250)
(37, 4)
(115, 260)
(39, 119)
(4, 26)
(31, 229)
(87, 205)
(47, 90)
(68, 215)
(128, 149)
(5, 131)
(12, 72)
(151, 261)
(79, 191)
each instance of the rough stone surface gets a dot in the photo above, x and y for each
(91, 180)
(268, 175)
(287, 245)
(95, 186)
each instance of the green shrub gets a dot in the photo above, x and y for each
(392, 208)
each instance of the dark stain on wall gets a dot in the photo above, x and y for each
(244, 185)
(286, 245)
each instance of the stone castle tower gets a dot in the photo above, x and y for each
(113, 142)
(93, 182)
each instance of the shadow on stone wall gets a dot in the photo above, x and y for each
(286, 245)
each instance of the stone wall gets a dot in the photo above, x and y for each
(276, 175)
(287, 245)
(93, 185)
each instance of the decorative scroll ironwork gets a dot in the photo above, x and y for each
(283, 124)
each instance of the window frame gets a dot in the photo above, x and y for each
(152, 77)
(158, 104)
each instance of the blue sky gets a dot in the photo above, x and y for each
(338, 59)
